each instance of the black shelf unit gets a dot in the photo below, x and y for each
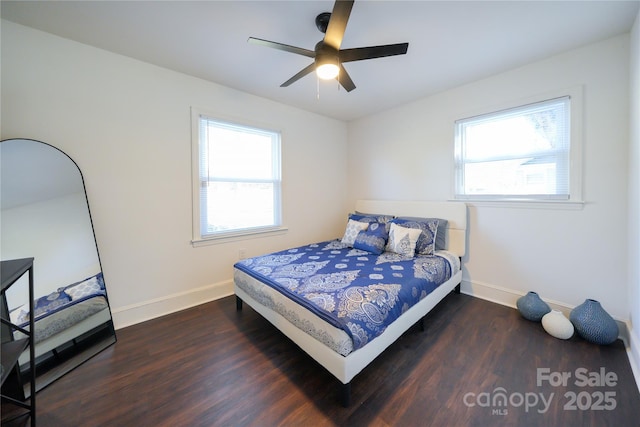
(12, 383)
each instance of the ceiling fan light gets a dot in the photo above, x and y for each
(327, 70)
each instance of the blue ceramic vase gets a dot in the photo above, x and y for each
(531, 307)
(593, 323)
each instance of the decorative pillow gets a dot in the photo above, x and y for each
(353, 228)
(375, 217)
(403, 240)
(426, 241)
(370, 218)
(49, 302)
(19, 315)
(441, 237)
(89, 286)
(373, 239)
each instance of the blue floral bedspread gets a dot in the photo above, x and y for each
(351, 289)
(61, 300)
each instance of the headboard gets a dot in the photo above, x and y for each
(454, 212)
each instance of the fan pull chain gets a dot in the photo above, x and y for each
(318, 88)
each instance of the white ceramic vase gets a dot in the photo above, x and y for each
(557, 325)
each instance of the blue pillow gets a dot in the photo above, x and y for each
(49, 302)
(373, 239)
(383, 219)
(371, 218)
(427, 240)
(440, 234)
(377, 217)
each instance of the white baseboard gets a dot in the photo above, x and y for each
(508, 297)
(147, 310)
(633, 351)
(485, 291)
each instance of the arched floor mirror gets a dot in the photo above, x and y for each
(45, 216)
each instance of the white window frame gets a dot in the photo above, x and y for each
(201, 236)
(574, 199)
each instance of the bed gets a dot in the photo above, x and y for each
(64, 315)
(345, 301)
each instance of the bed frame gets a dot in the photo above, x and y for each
(345, 368)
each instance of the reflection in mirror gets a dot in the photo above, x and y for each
(45, 215)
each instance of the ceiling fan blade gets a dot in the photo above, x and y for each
(345, 80)
(360, 53)
(281, 46)
(338, 23)
(306, 70)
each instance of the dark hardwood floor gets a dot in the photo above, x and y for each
(213, 366)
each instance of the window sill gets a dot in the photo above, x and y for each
(525, 204)
(237, 236)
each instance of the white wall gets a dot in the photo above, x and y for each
(567, 255)
(634, 201)
(127, 125)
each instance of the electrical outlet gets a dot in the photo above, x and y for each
(242, 253)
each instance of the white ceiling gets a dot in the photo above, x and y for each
(450, 42)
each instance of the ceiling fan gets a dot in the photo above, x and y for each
(327, 55)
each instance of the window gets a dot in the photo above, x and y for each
(522, 153)
(236, 179)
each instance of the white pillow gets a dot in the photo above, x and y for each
(83, 289)
(402, 240)
(353, 228)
